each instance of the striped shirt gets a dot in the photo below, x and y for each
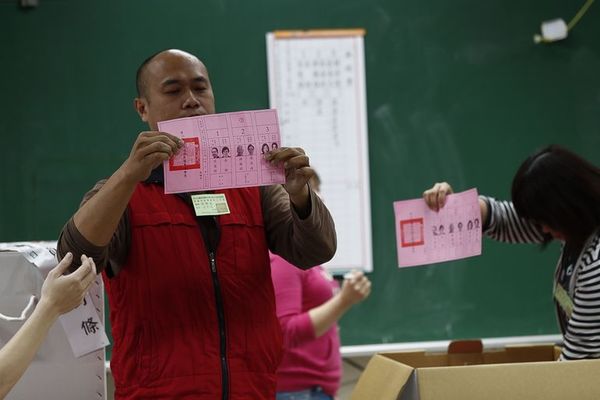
(581, 331)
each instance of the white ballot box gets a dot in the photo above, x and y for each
(55, 373)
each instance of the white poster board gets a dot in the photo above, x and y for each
(317, 85)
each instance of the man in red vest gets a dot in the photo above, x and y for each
(191, 298)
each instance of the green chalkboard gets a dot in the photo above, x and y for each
(457, 91)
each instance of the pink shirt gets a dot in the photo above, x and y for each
(307, 360)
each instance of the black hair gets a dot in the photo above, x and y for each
(140, 84)
(558, 188)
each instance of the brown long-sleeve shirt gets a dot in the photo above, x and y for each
(304, 242)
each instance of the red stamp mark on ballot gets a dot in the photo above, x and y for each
(412, 232)
(188, 157)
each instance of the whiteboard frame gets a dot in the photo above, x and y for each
(360, 126)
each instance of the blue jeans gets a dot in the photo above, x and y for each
(315, 393)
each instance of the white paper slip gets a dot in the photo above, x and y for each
(84, 328)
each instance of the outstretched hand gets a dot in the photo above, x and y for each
(356, 288)
(436, 196)
(62, 293)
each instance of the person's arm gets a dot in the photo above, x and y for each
(113, 255)
(298, 225)
(98, 218)
(505, 225)
(299, 326)
(355, 289)
(581, 338)
(295, 323)
(500, 220)
(60, 294)
(101, 221)
(303, 242)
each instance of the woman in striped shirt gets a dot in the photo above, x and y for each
(555, 195)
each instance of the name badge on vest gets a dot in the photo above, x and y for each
(210, 204)
(563, 299)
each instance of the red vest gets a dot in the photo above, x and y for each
(164, 309)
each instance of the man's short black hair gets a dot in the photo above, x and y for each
(140, 83)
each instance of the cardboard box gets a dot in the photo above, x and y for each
(471, 373)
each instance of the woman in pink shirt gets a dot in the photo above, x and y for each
(309, 304)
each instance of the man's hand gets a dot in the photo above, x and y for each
(148, 152)
(297, 173)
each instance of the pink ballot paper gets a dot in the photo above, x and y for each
(223, 151)
(424, 236)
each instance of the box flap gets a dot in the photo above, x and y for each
(465, 352)
(557, 352)
(471, 352)
(383, 379)
(419, 359)
(532, 381)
